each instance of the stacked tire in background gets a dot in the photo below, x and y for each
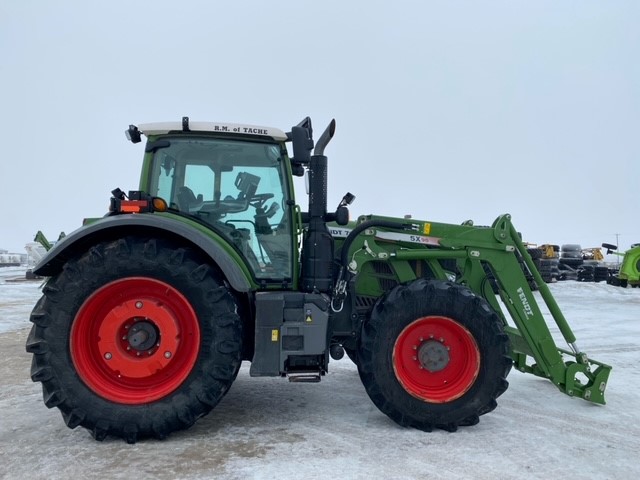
(567, 263)
(600, 273)
(570, 261)
(591, 271)
(574, 267)
(548, 263)
(535, 254)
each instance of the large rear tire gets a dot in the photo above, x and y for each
(434, 355)
(135, 338)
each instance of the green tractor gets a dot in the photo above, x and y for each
(149, 311)
(628, 273)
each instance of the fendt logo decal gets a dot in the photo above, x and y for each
(525, 303)
(339, 232)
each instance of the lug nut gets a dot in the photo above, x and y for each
(138, 304)
(107, 356)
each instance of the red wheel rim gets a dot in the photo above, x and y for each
(135, 340)
(436, 359)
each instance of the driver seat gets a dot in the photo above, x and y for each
(187, 201)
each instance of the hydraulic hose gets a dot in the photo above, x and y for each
(340, 290)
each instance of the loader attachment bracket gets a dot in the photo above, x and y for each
(596, 381)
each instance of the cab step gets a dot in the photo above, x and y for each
(304, 378)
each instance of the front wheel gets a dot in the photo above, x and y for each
(434, 355)
(135, 338)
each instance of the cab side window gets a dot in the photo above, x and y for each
(239, 188)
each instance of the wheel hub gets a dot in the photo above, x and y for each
(142, 336)
(433, 356)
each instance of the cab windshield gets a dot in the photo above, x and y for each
(238, 188)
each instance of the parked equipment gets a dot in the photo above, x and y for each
(629, 271)
(149, 310)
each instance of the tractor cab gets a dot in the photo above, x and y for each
(236, 186)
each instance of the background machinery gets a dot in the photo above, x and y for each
(628, 272)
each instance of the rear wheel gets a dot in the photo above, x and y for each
(135, 339)
(434, 355)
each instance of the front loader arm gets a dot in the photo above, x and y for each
(496, 251)
(576, 376)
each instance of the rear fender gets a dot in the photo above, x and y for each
(108, 228)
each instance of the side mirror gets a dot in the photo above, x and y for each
(301, 137)
(342, 216)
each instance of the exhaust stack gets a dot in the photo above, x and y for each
(317, 247)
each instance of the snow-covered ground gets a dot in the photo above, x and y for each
(16, 294)
(267, 428)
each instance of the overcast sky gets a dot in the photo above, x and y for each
(448, 110)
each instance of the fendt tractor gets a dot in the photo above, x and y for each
(148, 311)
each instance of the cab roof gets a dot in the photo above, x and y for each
(160, 128)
